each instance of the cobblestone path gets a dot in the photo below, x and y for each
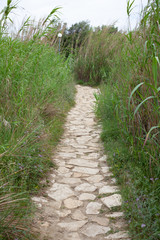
(83, 201)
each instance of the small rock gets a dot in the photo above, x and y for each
(112, 201)
(72, 203)
(87, 196)
(105, 169)
(93, 208)
(85, 187)
(45, 225)
(118, 235)
(63, 213)
(115, 215)
(39, 199)
(103, 159)
(113, 180)
(108, 174)
(108, 189)
(93, 230)
(39, 205)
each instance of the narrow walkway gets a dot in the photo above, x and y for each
(83, 201)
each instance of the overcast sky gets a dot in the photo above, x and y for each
(98, 12)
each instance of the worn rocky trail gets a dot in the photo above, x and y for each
(83, 201)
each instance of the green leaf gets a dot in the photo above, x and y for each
(147, 136)
(134, 90)
(137, 108)
(129, 7)
(155, 69)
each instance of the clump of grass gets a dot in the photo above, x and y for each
(129, 110)
(92, 63)
(36, 91)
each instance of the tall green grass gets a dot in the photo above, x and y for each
(92, 63)
(36, 91)
(129, 109)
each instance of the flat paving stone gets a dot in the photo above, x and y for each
(105, 169)
(85, 187)
(70, 181)
(40, 199)
(83, 163)
(78, 215)
(119, 235)
(63, 213)
(93, 230)
(95, 179)
(108, 189)
(90, 171)
(72, 226)
(60, 192)
(115, 215)
(93, 208)
(87, 196)
(72, 203)
(112, 201)
(63, 170)
(100, 220)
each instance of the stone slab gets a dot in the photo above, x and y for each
(108, 189)
(93, 208)
(93, 230)
(60, 192)
(115, 215)
(63, 213)
(112, 201)
(83, 163)
(85, 187)
(70, 181)
(73, 226)
(72, 203)
(90, 171)
(78, 215)
(100, 220)
(95, 179)
(119, 235)
(87, 196)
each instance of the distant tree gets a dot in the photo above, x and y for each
(110, 28)
(74, 37)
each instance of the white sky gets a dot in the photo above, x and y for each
(98, 12)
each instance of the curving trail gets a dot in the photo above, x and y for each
(83, 201)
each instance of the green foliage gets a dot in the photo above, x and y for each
(93, 60)
(74, 37)
(130, 112)
(36, 91)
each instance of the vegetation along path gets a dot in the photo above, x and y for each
(83, 201)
